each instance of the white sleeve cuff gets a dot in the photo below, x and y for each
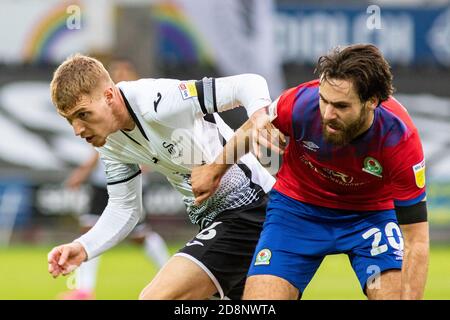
(248, 90)
(257, 105)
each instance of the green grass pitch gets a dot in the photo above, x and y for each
(125, 270)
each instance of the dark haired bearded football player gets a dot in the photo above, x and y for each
(352, 181)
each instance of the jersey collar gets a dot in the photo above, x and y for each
(133, 115)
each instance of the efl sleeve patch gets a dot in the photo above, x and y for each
(187, 89)
(419, 174)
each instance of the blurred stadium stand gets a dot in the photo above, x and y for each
(169, 39)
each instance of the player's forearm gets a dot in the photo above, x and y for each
(111, 228)
(415, 260)
(414, 272)
(123, 212)
(237, 146)
(234, 149)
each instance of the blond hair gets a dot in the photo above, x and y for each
(77, 76)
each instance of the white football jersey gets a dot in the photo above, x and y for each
(177, 128)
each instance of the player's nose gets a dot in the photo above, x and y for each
(329, 112)
(78, 128)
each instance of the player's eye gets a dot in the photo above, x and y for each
(340, 106)
(82, 115)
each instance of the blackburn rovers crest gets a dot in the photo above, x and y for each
(373, 167)
(263, 257)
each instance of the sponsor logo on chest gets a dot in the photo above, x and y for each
(173, 148)
(372, 166)
(310, 146)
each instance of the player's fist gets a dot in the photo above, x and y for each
(205, 180)
(65, 258)
(265, 134)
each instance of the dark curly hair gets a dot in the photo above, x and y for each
(364, 65)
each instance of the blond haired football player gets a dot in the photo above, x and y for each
(170, 126)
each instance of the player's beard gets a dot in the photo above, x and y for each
(345, 133)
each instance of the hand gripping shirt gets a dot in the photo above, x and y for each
(177, 128)
(382, 168)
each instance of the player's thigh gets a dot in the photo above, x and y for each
(376, 248)
(385, 286)
(268, 287)
(290, 248)
(180, 278)
(225, 249)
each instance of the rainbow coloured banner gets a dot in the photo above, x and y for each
(178, 41)
(47, 32)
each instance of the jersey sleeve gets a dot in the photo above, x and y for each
(117, 172)
(281, 111)
(122, 213)
(179, 103)
(407, 171)
(170, 102)
(221, 94)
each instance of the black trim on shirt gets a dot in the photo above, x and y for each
(412, 214)
(248, 174)
(130, 137)
(201, 95)
(125, 180)
(210, 118)
(241, 165)
(214, 94)
(135, 119)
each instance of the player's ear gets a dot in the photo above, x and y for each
(109, 95)
(372, 103)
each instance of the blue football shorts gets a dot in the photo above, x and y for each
(297, 236)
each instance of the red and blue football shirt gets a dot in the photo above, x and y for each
(381, 168)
